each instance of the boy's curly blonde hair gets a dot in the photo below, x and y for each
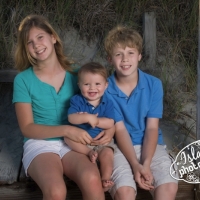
(124, 37)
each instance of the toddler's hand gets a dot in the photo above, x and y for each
(93, 120)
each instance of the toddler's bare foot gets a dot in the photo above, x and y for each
(93, 156)
(107, 184)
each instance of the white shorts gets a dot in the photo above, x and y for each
(160, 167)
(33, 147)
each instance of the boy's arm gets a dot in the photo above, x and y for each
(105, 123)
(80, 118)
(149, 142)
(125, 145)
(108, 119)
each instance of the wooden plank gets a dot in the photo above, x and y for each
(11, 139)
(29, 190)
(149, 31)
(198, 83)
(185, 191)
(198, 97)
(7, 75)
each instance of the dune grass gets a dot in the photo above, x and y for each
(176, 21)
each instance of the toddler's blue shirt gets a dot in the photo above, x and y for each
(105, 109)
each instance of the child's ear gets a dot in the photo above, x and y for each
(109, 59)
(53, 38)
(106, 84)
(140, 57)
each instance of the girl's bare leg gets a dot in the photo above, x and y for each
(81, 170)
(106, 166)
(47, 171)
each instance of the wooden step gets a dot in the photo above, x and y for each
(29, 190)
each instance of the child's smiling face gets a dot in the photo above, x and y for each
(125, 61)
(92, 86)
(40, 44)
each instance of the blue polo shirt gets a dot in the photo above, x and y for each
(146, 101)
(105, 109)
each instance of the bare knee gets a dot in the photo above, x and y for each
(93, 189)
(125, 192)
(93, 178)
(106, 153)
(55, 192)
(168, 190)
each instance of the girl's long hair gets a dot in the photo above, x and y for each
(23, 59)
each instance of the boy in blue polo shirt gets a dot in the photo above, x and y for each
(93, 111)
(138, 100)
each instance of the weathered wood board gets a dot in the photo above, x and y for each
(29, 190)
(149, 29)
(7, 75)
(11, 140)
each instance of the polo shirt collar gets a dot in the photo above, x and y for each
(103, 99)
(113, 89)
(141, 80)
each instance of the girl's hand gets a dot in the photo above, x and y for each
(78, 135)
(104, 137)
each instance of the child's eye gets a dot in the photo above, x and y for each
(98, 83)
(29, 42)
(86, 84)
(118, 54)
(131, 52)
(40, 37)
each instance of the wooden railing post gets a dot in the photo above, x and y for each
(197, 196)
(149, 30)
(7, 75)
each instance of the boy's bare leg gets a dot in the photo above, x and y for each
(106, 166)
(166, 191)
(82, 148)
(93, 156)
(125, 192)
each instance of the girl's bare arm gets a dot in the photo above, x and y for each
(37, 131)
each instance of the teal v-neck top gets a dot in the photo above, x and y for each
(49, 107)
